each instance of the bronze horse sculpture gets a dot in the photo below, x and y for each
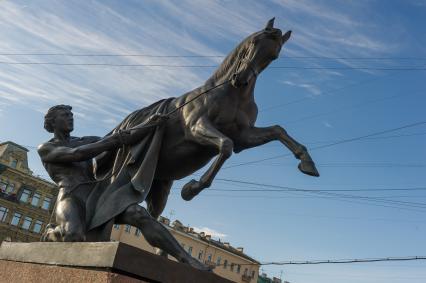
(209, 122)
(221, 121)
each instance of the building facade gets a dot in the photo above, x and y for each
(229, 262)
(26, 201)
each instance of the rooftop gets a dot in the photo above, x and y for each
(178, 226)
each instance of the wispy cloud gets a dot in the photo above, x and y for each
(327, 124)
(209, 231)
(161, 28)
(309, 87)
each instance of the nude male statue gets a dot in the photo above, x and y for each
(68, 160)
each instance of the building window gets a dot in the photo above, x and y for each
(232, 266)
(25, 195)
(238, 268)
(225, 263)
(46, 203)
(219, 259)
(200, 255)
(6, 188)
(252, 273)
(190, 250)
(138, 232)
(209, 258)
(10, 189)
(14, 163)
(16, 218)
(116, 226)
(27, 223)
(127, 229)
(3, 213)
(35, 200)
(3, 186)
(37, 226)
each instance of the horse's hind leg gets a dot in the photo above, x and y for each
(252, 137)
(203, 132)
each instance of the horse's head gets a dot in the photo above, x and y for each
(259, 50)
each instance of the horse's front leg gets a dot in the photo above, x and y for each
(252, 136)
(203, 132)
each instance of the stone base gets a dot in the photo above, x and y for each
(93, 262)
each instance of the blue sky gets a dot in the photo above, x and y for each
(316, 106)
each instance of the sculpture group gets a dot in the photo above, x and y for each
(171, 139)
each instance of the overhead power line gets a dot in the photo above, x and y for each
(278, 188)
(333, 143)
(345, 261)
(206, 56)
(336, 261)
(393, 68)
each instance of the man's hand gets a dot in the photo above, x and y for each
(157, 118)
(124, 137)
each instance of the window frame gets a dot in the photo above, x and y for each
(23, 192)
(26, 219)
(44, 200)
(34, 197)
(37, 223)
(4, 211)
(128, 228)
(13, 218)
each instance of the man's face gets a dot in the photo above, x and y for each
(64, 121)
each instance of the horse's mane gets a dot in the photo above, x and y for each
(230, 60)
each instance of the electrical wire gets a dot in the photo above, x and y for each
(394, 68)
(343, 141)
(208, 56)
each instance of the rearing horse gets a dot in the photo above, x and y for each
(221, 121)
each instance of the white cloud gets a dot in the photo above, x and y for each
(209, 231)
(309, 87)
(163, 28)
(327, 124)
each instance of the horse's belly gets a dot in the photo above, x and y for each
(182, 160)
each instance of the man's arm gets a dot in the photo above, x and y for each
(53, 153)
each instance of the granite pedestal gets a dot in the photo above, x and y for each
(93, 262)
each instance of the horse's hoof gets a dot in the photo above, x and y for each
(187, 192)
(308, 168)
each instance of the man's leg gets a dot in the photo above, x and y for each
(70, 219)
(156, 234)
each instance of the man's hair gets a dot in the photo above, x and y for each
(51, 115)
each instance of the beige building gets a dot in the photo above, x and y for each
(26, 201)
(231, 263)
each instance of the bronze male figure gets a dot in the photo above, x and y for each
(68, 160)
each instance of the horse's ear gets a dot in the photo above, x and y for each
(285, 37)
(270, 24)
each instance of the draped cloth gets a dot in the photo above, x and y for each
(127, 172)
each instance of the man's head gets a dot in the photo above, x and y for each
(59, 118)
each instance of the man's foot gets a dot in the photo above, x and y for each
(196, 264)
(161, 253)
(308, 167)
(51, 234)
